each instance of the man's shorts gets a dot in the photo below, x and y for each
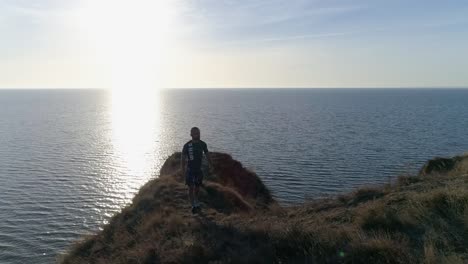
(194, 178)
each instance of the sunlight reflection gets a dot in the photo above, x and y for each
(135, 129)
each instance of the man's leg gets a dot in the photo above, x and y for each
(189, 183)
(196, 190)
(198, 179)
(191, 195)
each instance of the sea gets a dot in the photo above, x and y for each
(70, 159)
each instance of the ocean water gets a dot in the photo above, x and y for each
(70, 159)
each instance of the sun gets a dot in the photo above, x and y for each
(132, 38)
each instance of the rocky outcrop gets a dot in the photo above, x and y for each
(415, 220)
(443, 165)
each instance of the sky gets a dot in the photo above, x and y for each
(145, 44)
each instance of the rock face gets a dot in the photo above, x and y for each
(226, 174)
(158, 225)
(443, 165)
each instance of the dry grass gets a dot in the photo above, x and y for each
(418, 219)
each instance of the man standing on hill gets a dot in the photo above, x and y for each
(193, 153)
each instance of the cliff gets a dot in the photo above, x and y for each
(418, 219)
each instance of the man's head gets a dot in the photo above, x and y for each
(195, 133)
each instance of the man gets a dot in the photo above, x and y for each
(193, 153)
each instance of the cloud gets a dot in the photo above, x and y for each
(22, 12)
(290, 38)
(256, 42)
(265, 18)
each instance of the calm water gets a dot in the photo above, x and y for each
(69, 159)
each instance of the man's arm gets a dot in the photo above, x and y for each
(207, 154)
(183, 161)
(209, 159)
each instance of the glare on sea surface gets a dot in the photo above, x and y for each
(135, 127)
(131, 40)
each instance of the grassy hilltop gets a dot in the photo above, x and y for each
(418, 219)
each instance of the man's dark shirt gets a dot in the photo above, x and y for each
(194, 153)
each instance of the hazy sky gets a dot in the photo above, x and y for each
(233, 43)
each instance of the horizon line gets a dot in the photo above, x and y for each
(221, 88)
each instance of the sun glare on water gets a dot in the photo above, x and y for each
(135, 130)
(131, 40)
